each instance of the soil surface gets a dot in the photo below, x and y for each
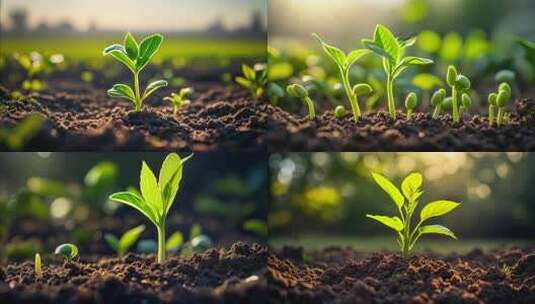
(376, 131)
(81, 118)
(342, 275)
(233, 275)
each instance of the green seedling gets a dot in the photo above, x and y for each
(509, 77)
(392, 50)
(38, 266)
(127, 240)
(459, 84)
(17, 137)
(300, 92)
(135, 57)
(466, 103)
(254, 79)
(340, 112)
(437, 101)
(68, 251)
(492, 106)
(410, 103)
(344, 62)
(275, 93)
(406, 202)
(179, 99)
(157, 196)
(504, 94)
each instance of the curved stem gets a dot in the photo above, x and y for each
(409, 114)
(161, 243)
(436, 113)
(310, 106)
(350, 94)
(137, 92)
(499, 119)
(390, 96)
(454, 105)
(491, 115)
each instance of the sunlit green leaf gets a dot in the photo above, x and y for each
(122, 91)
(411, 186)
(118, 52)
(389, 188)
(436, 229)
(337, 55)
(393, 222)
(147, 49)
(174, 241)
(131, 46)
(135, 201)
(150, 190)
(388, 42)
(153, 86)
(129, 238)
(437, 208)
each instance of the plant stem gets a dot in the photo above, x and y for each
(311, 110)
(137, 92)
(390, 96)
(161, 243)
(499, 119)
(491, 115)
(350, 94)
(409, 114)
(454, 105)
(436, 113)
(407, 235)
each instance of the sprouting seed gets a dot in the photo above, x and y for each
(437, 101)
(492, 105)
(69, 251)
(410, 103)
(179, 99)
(466, 103)
(299, 91)
(459, 84)
(339, 112)
(38, 266)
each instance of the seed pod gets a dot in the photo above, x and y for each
(411, 101)
(69, 251)
(339, 112)
(502, 99)
(466, 100)
(492, 99)
(451, 75)
(463, 82)
(362, 89)
(297, 91)
(438, 97)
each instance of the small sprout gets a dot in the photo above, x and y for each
(437, 101)
(179, 100)
(340, 112)
(174, 242)
(344, 62)
(392, 50)
(492, 105)
(38, 266)
(157, 196)
(300, 92)
(504, 94)
(127, 240)
(410, 103)
(466, 103)
(459, 84)
(135, 57)
(254, 78)
(68, 251)
(406, 202)
(275, 93)
(201, 243)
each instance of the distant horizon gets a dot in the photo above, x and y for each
(161, 15)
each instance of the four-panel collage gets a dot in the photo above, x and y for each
(267, 151)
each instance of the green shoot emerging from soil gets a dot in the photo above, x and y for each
(344, 63)
(38, 266)
(126, 241)
(437, 101)
(339, 112)
(466, 103)
(410, 104)
(254, 79)
(460, 85)
(406, 202)
(392, 50)
(492, 106)
(299, 91)
(69, 251)
(504, 94)
(135, 57)
(157, 196)
(179, 100)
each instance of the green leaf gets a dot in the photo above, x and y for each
(248, 72)
(170, 177)
(69, 251)
(135, 201)
(437, 208)
(150, 190)
(407, 43)
(356, 55)
(411, 186)
(129, 238)
(118, 52)
(243, 82)
(131, 46)
(414, 61)
(436, 229)
(122, 91)
(371, 45)
(389, 188)
(426, 81)
(393, 222)
(388, 42)
(24, 131)
(335, 53)
(147, 49)
(112, 241)
(174, 241)
(153, 86)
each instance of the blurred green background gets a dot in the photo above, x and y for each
(321, 199)
(50, 198)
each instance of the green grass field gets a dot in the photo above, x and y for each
(90, 48)
(440, 246)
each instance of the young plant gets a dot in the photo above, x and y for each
(121, 246)
(300, 92)
(135, 57)
(492, 105)
(437, 101)
(179, 100)
(344, 62)
(340, 112)
(38, 266)
(466, 103)
(459, 84)
(392, 50)
(504, 94)
(157, 196)
(406, 202)
(254, 78)
(68, 251)
(410, 103)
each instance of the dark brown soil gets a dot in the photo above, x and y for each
(377, 132)
(83, 118)
(337, 275)
(234, 275)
